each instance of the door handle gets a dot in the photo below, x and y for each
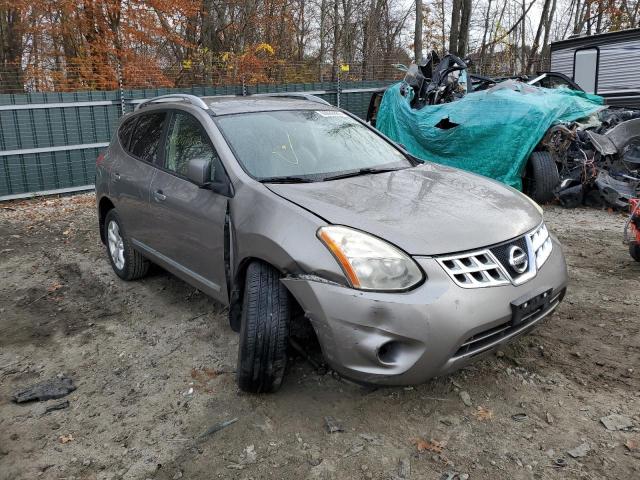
(159, 196)
(116, 176)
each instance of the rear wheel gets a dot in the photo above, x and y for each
(128, 263)
(634, 250)
(264, 331)
(541, 177)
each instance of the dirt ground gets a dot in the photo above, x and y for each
(154, 361)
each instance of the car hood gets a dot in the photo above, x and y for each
(426, 210)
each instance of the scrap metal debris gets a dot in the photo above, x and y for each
(48, 390)
(598, 162)
(217, 427)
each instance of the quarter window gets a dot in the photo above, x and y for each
(145, 141)
(124, 133)
(186, 142)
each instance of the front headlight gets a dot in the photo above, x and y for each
(368, 262)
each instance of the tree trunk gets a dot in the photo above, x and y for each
(463, 34)
(536, 41)
(323, 23)
(10, 51)
(483, 46)
(443, 25)
(417, 39)
(455, 26)
(336, 41)
(547, 31)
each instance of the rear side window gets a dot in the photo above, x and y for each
(146, 138)
(124, 133)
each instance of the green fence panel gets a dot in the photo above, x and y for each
(82, 125)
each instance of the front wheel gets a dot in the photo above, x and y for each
(634, 251)
(541, 177)
(128, 263)
(264, 331)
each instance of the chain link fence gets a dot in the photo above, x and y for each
(51, 76)
(53, 127)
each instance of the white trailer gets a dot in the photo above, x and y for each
(607, 64)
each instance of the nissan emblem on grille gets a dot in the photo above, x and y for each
(518, 259)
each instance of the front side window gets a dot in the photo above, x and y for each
(145, 140)
(186, 142)
(313, 145)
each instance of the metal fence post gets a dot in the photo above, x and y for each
(120, 88)
(338, 89)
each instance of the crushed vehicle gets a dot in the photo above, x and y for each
(543, 135)
(291, 211)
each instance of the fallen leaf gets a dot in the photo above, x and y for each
(65, 438)
(66, 232)
(423, 445)
(632, 445)
(54, 287)
(483, 414)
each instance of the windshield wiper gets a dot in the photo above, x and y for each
(286, 180)
(362, 171)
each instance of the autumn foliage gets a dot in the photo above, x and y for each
(71, 45)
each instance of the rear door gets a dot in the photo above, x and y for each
(131, 175)
(188, 221)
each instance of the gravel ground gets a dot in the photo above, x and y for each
(154, 361)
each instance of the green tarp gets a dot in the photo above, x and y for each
(497, 128)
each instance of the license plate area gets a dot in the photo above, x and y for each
(523, 309)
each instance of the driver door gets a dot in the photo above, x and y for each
(188, 219)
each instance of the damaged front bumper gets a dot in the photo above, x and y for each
(407, 338)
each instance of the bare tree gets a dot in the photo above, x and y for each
(417, 37)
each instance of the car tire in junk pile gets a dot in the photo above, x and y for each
(541, 177)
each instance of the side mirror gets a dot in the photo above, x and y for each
(199, 171)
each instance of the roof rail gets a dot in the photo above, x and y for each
(185, 97)
(300, 95)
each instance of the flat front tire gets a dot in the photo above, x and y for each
(264, 330)
(128, 263)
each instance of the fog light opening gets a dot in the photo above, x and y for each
(388, 352)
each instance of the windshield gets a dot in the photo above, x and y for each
(306, 145)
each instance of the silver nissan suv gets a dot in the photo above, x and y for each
(273, 204)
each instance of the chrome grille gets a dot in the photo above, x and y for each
(541, 244)
(473, 270)
(490, 267)
(501, 253)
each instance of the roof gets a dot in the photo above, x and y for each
(598, 39)
(227, 105)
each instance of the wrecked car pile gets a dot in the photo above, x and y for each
(598, 160)
(557, 142)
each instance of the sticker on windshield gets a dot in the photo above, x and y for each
(331, 113)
